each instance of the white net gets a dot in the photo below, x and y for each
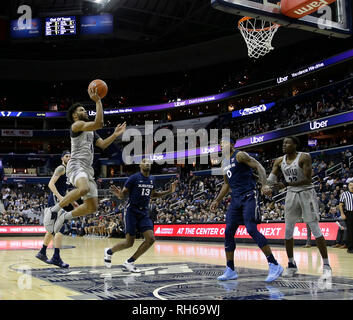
(258, 35)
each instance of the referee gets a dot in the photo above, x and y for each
(346, 200)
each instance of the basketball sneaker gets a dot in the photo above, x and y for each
(42, 257)
(58, 223)
(49, 220)
(290, 271)
(228, 274)
(58, 262)
(129, 266)
(275, 270)
(107, 258)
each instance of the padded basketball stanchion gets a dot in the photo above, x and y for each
(258, 35)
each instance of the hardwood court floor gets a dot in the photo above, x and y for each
(195, 265)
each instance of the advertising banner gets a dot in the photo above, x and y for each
(21, 229)
(269, 230)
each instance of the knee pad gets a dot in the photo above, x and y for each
(290, 225)
(315, 229)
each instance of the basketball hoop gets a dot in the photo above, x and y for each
(258, 35)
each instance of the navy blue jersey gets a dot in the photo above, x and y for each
(140, 189)
(240, 176)
(61, 186)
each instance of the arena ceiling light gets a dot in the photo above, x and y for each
(102, 2)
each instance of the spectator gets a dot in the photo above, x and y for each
(333, 202)
(350, 178)
(73, 228)
(111, 227)
(341, 234)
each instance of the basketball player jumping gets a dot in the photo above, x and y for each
(58, 187)
(79, 168)
(301, 199)
(140, 189)
(244, 208)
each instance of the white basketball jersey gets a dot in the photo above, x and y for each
(82, 152)
(293, 173)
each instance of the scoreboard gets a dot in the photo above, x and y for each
(60, 26)
(63, 27)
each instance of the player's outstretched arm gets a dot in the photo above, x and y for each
(224, 191)
(243, 157)
(276, 170)
(105, 143)
(156, 194)
(120, 194)
(272, 178)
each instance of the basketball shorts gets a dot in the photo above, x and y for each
(244, 209)
(136, 218)
(301, 204)
(62, 230)
(74, 172)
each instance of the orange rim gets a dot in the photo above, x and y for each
(274, 25)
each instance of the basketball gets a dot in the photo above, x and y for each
(101, 85)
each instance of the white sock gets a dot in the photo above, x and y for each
(291, 260)
(326, 261)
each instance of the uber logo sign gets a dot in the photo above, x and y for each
(280, 79)
(318, 124)
(256, 139)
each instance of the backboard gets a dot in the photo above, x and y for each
(332, 20)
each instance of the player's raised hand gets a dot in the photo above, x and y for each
(116, 191)
(214, 206)
(119, 130)
(93, 94)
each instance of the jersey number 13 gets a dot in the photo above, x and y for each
(146, 192)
